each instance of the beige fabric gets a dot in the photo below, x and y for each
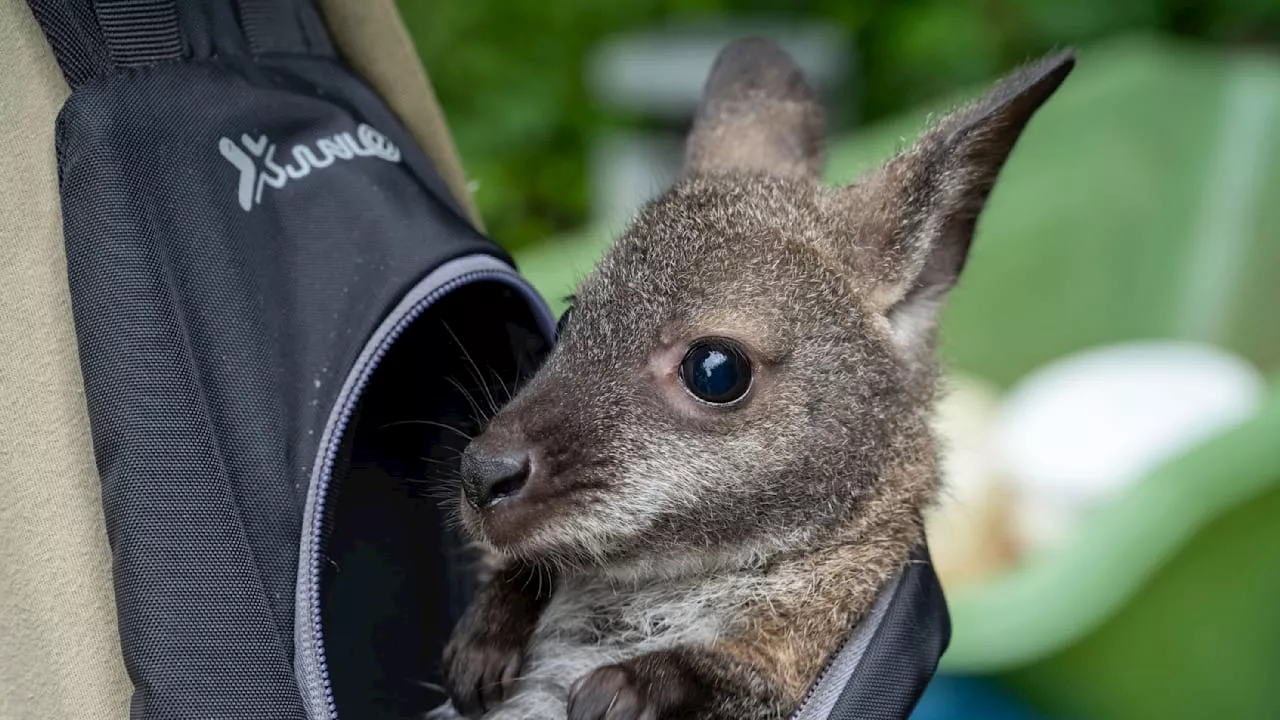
(59, 646)
(372, 39)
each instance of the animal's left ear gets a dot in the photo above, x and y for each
(758, 115)
(913, 220)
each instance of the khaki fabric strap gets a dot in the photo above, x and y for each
(59, 647)
(371, 37)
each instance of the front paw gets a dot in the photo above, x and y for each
(612, 692)
(480, 671)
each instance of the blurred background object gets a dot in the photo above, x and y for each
(1109, 534)
(517, 75)
(657, 76)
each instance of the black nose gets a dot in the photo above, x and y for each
(488, 478)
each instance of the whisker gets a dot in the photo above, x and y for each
(431, 686)
(478, 414)
(506, 391)
(445, 498)
(430, 423)
(452, 465)
(479, 376)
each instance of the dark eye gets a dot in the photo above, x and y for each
(716, 371)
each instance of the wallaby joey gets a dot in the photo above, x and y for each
(728, 452)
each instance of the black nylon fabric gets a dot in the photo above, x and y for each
(283, 26)
(140, 32)
(214, 335)
(73, 33)
(903, 654)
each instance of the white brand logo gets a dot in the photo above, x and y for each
(259, 169)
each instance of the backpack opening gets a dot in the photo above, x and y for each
(396, 574)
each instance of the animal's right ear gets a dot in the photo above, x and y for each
(913, 220)
(757, 115)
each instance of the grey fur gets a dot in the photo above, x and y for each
(713, 558)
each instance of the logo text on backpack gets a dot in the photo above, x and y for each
(255, 159)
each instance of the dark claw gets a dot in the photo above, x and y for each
(610, 693)
(480, 676)
(483, 658)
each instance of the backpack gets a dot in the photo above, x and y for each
(288, 323)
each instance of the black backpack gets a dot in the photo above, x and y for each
(285, 323)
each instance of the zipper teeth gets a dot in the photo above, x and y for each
(822, 675)
(875, 616)
(331, 453)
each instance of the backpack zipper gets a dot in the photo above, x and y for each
(862, 633)
(312, 666)
(822, 676)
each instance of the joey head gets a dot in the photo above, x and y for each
(728, 452)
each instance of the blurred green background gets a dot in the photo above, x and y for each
(511, 73)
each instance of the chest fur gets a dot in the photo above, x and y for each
(593, 622)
